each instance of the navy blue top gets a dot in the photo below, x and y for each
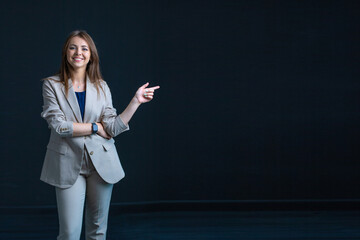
(81, 100)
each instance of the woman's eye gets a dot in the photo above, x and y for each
(85, 49)
(71, 48)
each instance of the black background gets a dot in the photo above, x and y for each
(259, 100)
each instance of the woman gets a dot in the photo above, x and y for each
(81, 159)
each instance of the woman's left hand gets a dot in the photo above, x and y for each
(144, 95)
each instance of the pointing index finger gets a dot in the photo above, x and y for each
(154, 88)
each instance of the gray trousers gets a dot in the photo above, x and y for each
(89, 190)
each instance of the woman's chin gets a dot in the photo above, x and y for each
(78, 66)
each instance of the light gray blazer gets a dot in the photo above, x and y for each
(64, 153)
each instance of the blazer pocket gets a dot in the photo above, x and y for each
(56, 147)
(108, 145)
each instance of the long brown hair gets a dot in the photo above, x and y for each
(92, 68)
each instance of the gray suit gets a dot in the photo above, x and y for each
(64, 153)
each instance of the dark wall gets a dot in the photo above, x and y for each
(258, 99)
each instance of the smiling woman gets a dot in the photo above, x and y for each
(81, 160)
(78, 53)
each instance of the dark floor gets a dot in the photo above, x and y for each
(195, 225)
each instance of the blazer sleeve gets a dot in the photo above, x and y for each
(111, 121)
(52, 113)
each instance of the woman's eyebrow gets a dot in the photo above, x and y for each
(76, 45)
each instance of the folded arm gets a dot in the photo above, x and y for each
(53, 114)
(84, 129)
(56, 119)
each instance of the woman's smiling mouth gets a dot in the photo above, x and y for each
(77, 59)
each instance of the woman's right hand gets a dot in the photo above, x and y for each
(101, 131)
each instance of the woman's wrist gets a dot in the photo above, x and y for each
(135, 101)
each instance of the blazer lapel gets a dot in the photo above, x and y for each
(90, 98)
(72, 100)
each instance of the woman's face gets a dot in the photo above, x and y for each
(78, 53)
